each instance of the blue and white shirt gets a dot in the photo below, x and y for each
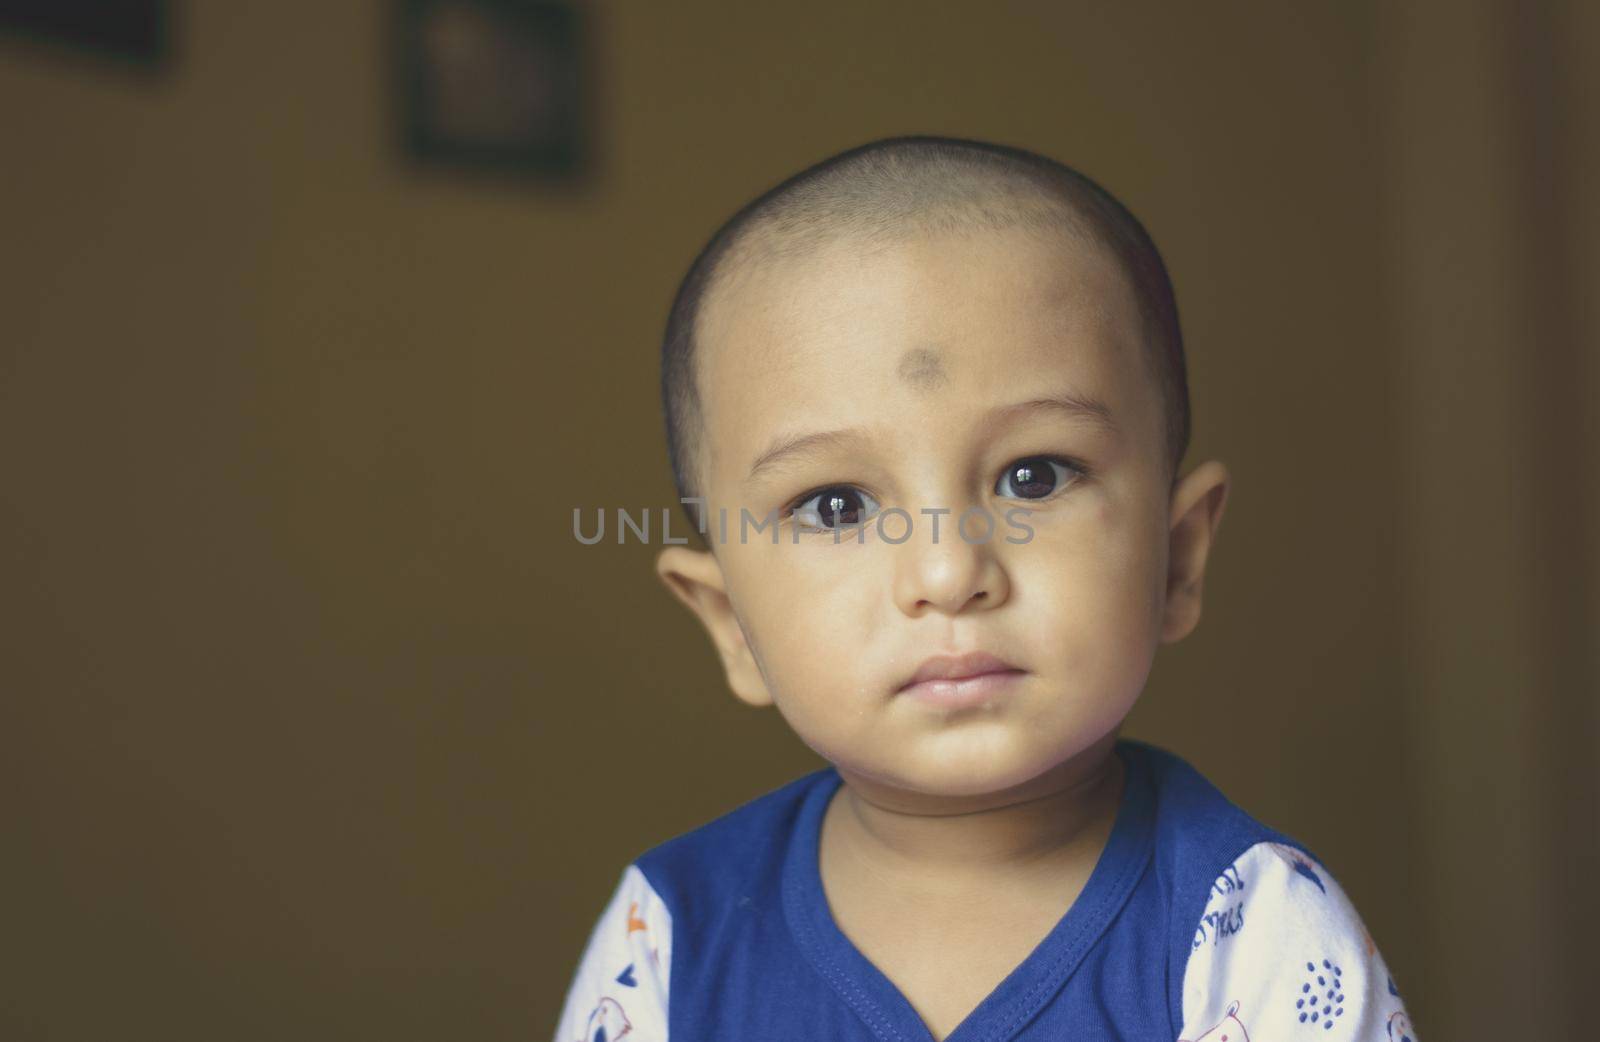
(1198, 923)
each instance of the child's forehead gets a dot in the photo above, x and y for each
(923, 314)
(910, 333)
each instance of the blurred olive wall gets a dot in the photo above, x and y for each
(316, 721)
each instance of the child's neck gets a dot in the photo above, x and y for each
(941, 846)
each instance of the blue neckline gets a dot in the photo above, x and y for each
(1030, 985)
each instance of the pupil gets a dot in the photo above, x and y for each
(1033, 478)
(840, 507)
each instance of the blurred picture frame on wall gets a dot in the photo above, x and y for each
(134, 33)
(496, 85)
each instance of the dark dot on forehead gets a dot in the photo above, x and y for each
(921, 367)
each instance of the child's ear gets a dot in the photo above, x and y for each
(695, 578)
(1197, 504)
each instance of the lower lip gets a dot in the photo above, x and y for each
(966, 692)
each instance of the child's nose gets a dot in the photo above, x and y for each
(955, 574)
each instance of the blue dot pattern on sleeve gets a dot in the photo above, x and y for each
(1299, 962)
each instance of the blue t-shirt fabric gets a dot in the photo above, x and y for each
(1197, 924)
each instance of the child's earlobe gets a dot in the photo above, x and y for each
(695, 578)
(1197, 506)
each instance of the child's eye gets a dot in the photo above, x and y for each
(832, 507)
(1035, 477)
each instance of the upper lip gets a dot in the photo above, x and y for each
(959, 667)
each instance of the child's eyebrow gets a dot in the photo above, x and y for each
(788, 446)
(1079, 406)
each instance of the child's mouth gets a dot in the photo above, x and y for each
(961, 681)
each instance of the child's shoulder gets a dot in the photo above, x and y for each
(1202, 840)
(743, 844)
(1263, 934)
(1191, 812)
(1197, 827)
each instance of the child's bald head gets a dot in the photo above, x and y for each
(890, 190)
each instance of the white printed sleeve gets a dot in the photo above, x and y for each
(1280, 953)
(620, 988)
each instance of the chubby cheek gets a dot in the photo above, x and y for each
(812, 611)
(1087, 599)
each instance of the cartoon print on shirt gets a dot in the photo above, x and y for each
(1219, 923)
(1324, 1000)
(607, 1023)
(1303, 867)
(1399, 1023)
(635, 924)
(1229, 882)
(1230, 1029)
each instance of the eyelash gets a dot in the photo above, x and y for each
(1081, 471)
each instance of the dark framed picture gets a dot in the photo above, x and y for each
(498, 84)
(135, 32)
